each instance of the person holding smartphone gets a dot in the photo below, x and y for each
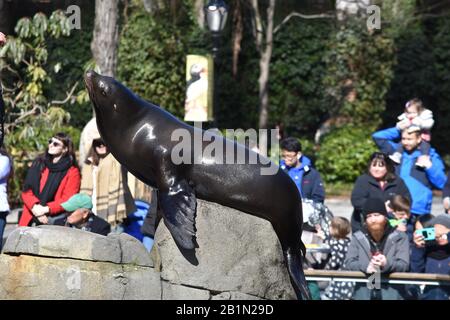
(436, 255)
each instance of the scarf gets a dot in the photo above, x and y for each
(438, 252)
(57, 171)
(114, 201)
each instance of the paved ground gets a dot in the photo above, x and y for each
(343, 207)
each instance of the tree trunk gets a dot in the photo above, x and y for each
(264, 65)
(106, 35)
(199, 13)
(238, 32)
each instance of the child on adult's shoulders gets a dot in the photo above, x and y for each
(415, 118)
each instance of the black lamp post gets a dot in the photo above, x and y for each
(216, 13)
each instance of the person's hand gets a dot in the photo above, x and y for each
(446, 203)
(35, 210)
(371, 268)
(401, 227)
(43, 219)
(388, 207)
(402, 125)
(320, 232)
(2, 39)
(379, 260)
(39, 210)
(418, 240)
(424, 161)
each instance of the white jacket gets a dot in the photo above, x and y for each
(5, 169)
(424, 121)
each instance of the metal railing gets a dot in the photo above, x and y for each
(393, 278)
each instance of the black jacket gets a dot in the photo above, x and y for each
(95, 224)
(367, 187)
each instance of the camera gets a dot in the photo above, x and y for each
(427, 233)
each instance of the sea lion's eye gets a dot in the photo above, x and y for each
(103, 92)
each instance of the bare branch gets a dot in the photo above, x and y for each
(257, 28)
(23, 117)
(69, 95)
(304, 16)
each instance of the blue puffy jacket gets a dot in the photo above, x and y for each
(419, 181)
(307, 179)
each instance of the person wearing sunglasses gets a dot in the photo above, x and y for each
(104, 179)
(52, 179)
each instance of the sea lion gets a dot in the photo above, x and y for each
(138, 133)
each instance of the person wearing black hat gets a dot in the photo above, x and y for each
(436, 256)
(377, 247)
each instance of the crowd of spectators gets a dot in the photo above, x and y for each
(392, 227)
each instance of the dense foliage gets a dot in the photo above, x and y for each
(152, 58)
(355, 80)
(33, 114)
(344, 154)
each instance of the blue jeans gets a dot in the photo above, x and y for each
(2, 226)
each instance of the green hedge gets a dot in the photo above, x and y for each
(344, 154)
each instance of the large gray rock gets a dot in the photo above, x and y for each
(62, 242)
(30, 277)
(53, 262)
(237, 253)
(234, 296)
(177, 292)
(239, 258)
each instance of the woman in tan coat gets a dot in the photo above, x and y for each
(103, 178)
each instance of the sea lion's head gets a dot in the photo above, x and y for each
(111, 99)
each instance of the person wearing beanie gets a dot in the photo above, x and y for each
(436, 255)
(80, 216)
(377, 247)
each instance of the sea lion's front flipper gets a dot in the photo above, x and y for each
(179, 205)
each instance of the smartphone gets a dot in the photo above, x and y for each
(427, 233)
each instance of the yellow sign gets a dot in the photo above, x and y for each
(199, 90)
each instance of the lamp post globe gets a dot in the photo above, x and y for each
(216, 13)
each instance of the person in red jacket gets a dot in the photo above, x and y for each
(53, 178)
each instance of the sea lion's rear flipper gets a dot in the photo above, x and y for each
(294, 263)
(179, 206)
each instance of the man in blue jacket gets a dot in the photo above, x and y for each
(298, 167)
(420, 172)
